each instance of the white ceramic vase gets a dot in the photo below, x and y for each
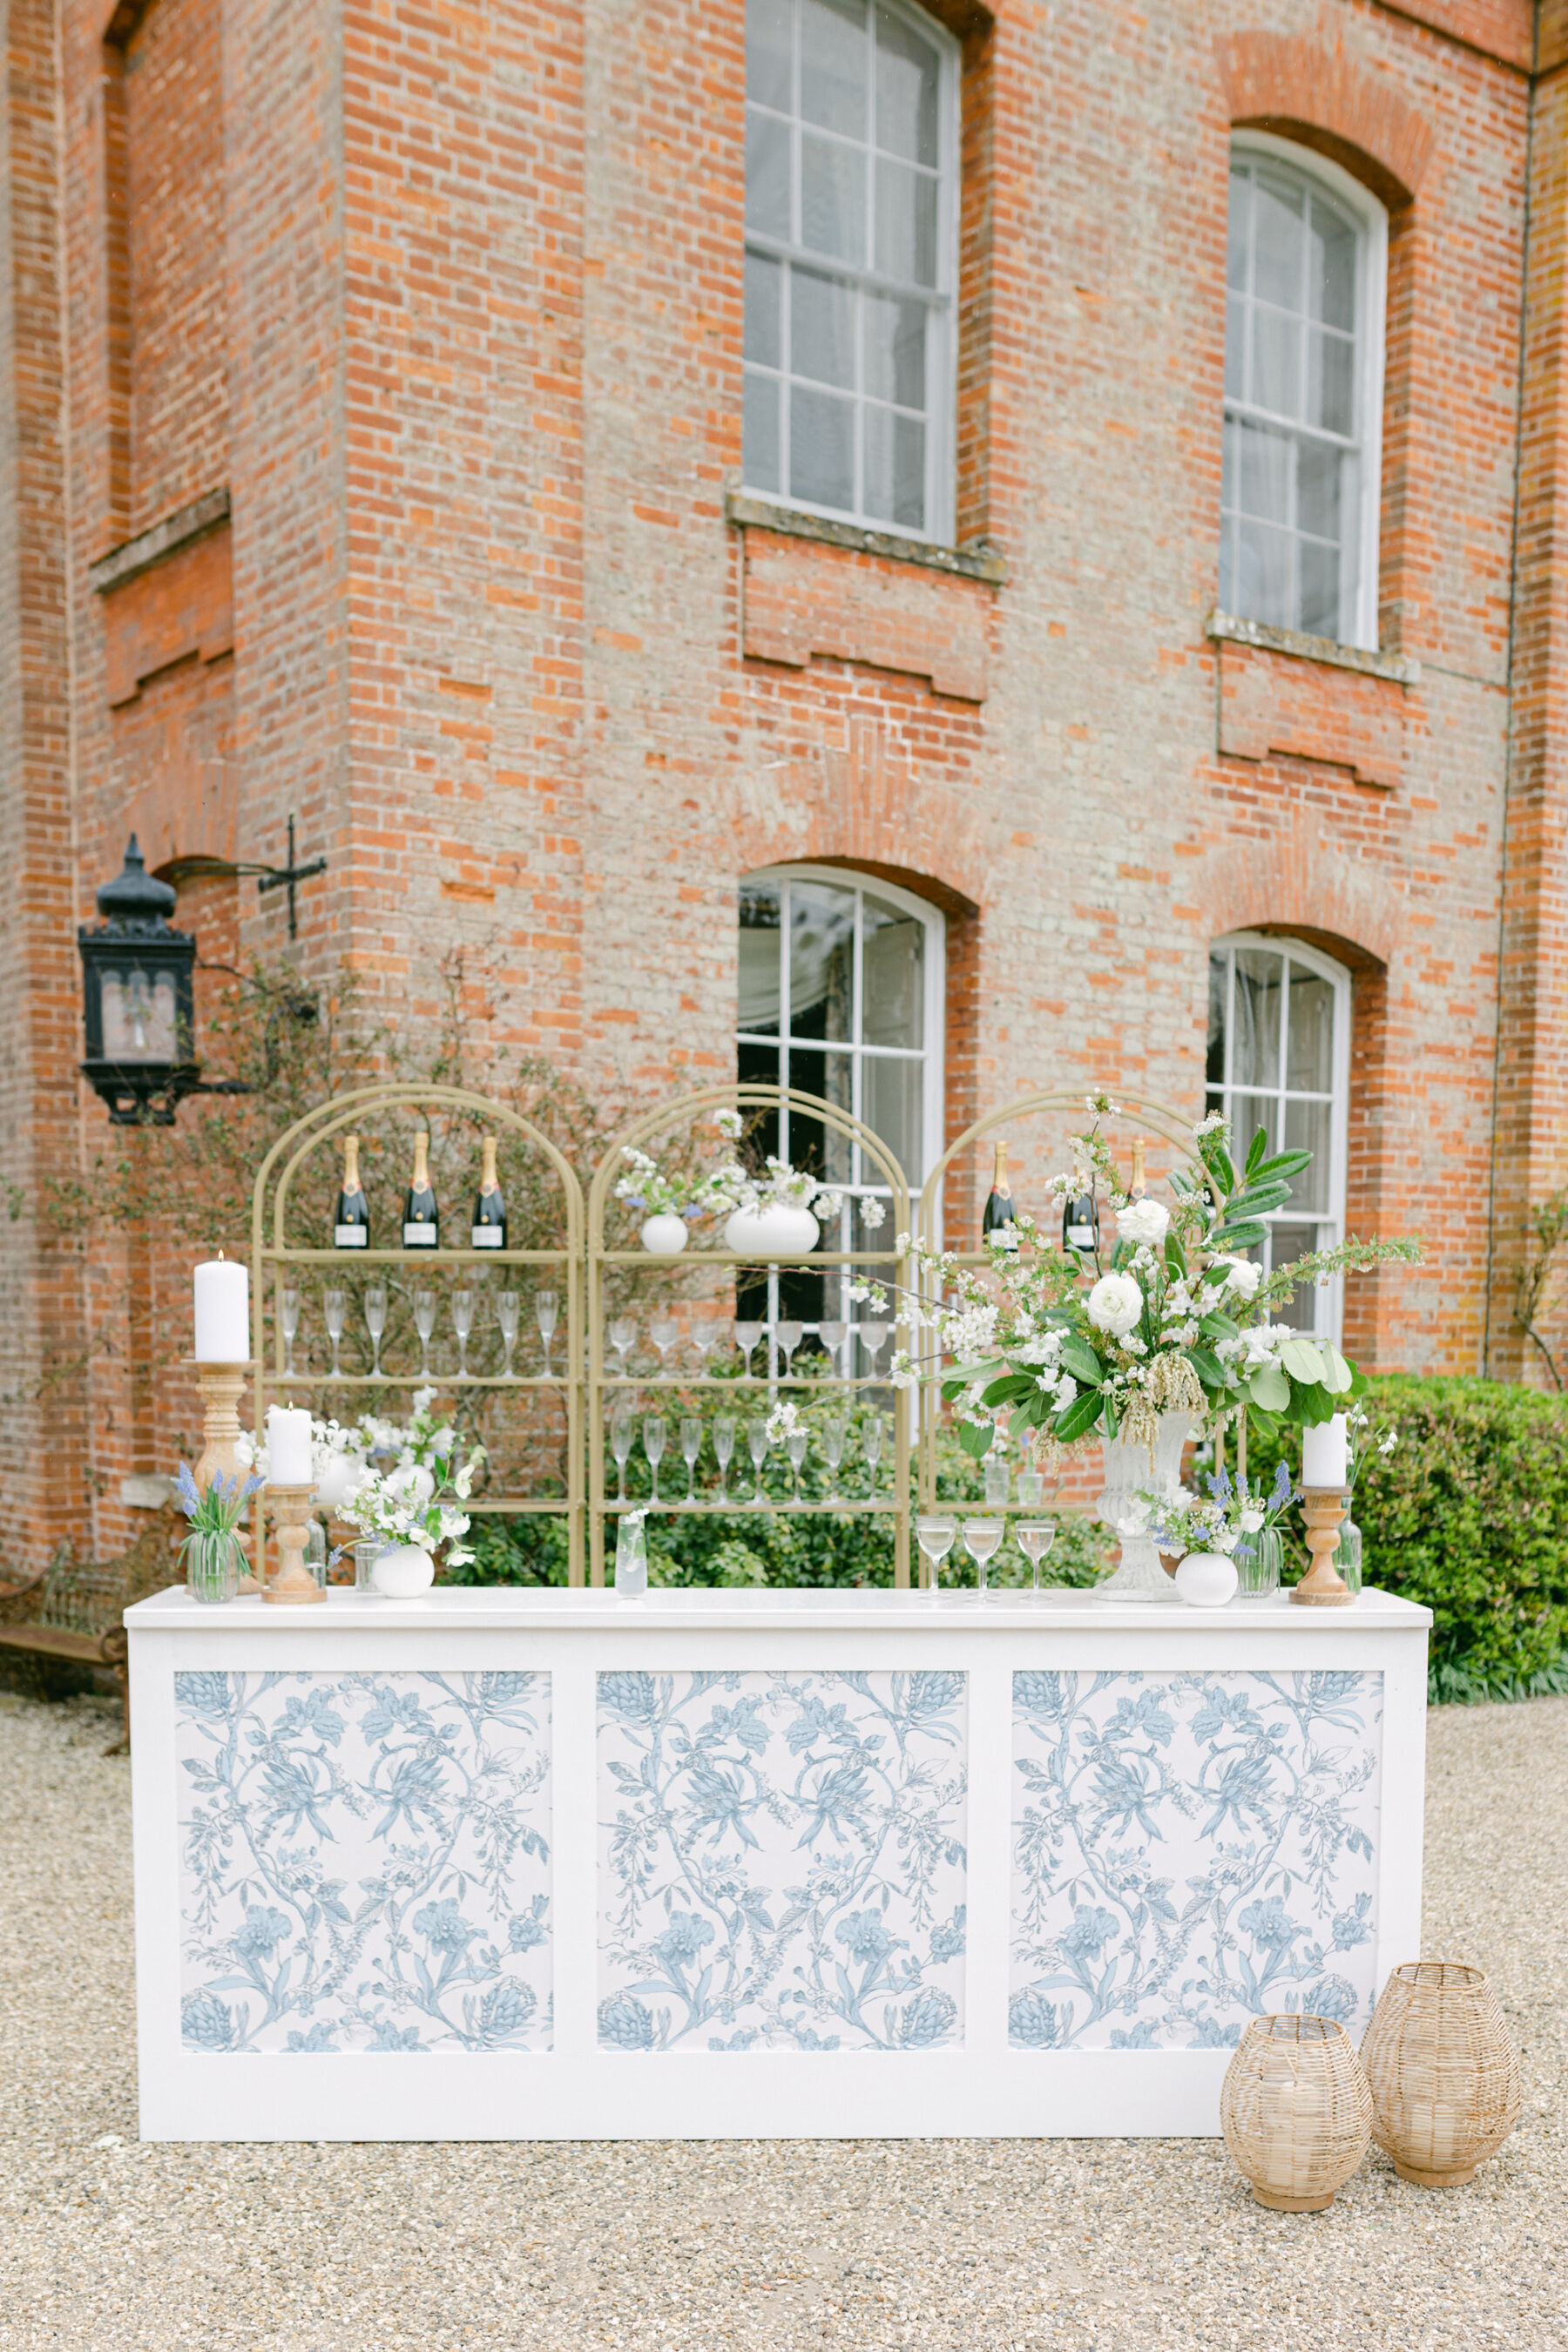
(1206, 1579)
(402, 1571)
(1130, 1470)
(665, 1235)
(776, 1231)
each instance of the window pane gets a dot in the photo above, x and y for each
(907, 86)
(1219, 982)
(1278, 251)
(822, 328)
(1276, 379)
(765, 286)
(1264, 574)
(1318, 489)
(890, 1099)
(821, 448)
(833, 65)
(768, 77)
(1262, 478)
(821, 960)
(1330, 268)
(759, 985)
(1308, 1128)
(1235, 348)
(892, 978)
(760, 437)
(1230, 587)
(906, 223)
(896, 350)
(1260, 978)
(1319, 603)
(1309, 1037)
(1240, 229)
(1247, 1114)
(767, 174)
(833, 198)
(1307, 1309)
(1331, 382)
(895, 469)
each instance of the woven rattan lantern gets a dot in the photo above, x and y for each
(1295, 2110)
(1442, 2070)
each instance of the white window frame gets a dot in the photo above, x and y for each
(942, 358)
(1371, 282)
(1329, 1309)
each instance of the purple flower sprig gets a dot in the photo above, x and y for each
(217, 1508)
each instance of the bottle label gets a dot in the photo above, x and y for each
(418, 1236)
(1003, 1237)
(1081, 1236)
(487, 1237)
(349, 1237)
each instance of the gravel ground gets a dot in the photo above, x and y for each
(673, 2248)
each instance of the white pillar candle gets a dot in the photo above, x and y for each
(222, 1313)
(289, 1457)
(1325, 1452)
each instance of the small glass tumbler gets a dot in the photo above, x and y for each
(1031, 1489)
(1347, 1555)
(1259, 1560)
(998, 1477)
(366, 1553)
(212, 1566)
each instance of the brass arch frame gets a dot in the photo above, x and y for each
(684, 1107)
(270, 1257)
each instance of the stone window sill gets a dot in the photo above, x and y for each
(1227, 629)
(150, 547)
(981, 561)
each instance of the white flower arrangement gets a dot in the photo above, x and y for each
(408, 1504)
(1182, 1522)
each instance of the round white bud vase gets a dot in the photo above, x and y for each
(402, 1571)
(777, 1230)
(665, 1235)
(1206, 1579)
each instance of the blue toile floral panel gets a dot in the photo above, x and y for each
(364, 1861)
(781, 1861)
(1190, 1851)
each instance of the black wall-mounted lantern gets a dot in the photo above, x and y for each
(137, 999)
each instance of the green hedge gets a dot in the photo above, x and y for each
(1469, 1515)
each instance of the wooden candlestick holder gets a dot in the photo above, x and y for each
(293, 1583)
(222, 1386)
(1323, 1586)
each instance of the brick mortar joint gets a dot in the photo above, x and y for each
(983, 562)
(164, 539)
(1225, 628)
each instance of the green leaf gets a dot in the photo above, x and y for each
(1009, 1389)
(1301, 1360)
(1310, 1402)
(1337, 1376)
(974, 1438)
(1079, 1418)
(1079, 1359)
(1236, 1237)
(1216, 1325)
(1209, 1368)
(1256, 1150)
(1110, 1419)
(1284, 1163)
(1176, 1256)
(1268, 1388)
(1218, 1160)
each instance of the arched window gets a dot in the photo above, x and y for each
(851, 260)
(1278, 1057)
(1303, 394)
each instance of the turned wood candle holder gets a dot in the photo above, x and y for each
(222, 1386)
(293, 1582)
(1323, 1586)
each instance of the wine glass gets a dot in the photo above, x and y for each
(375, 1324)
(935, 1536)
(980, 1539)
(333, 1305)
(623, 1337)
(757, 1442)
(424, 1324)
(507, 1313)
(653, 1445)
(795, 1445)
(833, 1334)
(290, 1326)
(546, 1310)
(703, 1334)
(723, 1447)
(874, 1339)
(1036, 1538)
(835, 1428)
(746, 1338)
(621, 1434)
(790, 1335)
(872, 1439)
(462, 1324)
(690, 1447)
(665, 1333)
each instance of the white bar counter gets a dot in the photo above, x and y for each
(501, 1863)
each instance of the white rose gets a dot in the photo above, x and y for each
(1142, 1223)
(1115, 1305)
(1251, 1521)
(1067, 1390)
(1242, 1275)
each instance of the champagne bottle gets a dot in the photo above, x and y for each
(1080, 1225)
(1138, 1186)
(999, 1221)
(350, 1225)
(489, 1230)
(421, 1223)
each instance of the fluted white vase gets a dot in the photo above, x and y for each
(1130, 1470)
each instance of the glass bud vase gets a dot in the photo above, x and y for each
(1259, 1560)
(1347, 1554)
(213, 1564)
(631, 1558)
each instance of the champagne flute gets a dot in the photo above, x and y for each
(833, 1334)
(757, 1444)
(980, 1539)
(621, 1434)
(789, 1334)
(874, 1339)
(507, 1312)
(653, 1445)
(702, 1335)
(375, 1324)
(746, 1338)
(424, 1324)
(1035, 1537)
(546, 1309)
(723, 1447)
(333, 1304)
(665, 1333)
(936, 1538)
(872, 1439)
(835, 1428)
(623, 1339)
(690, 1447)
(462, 1324)
(795, 1445)
(290, 1326)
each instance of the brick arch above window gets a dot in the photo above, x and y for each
(1296, 883)
(1356, 118)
